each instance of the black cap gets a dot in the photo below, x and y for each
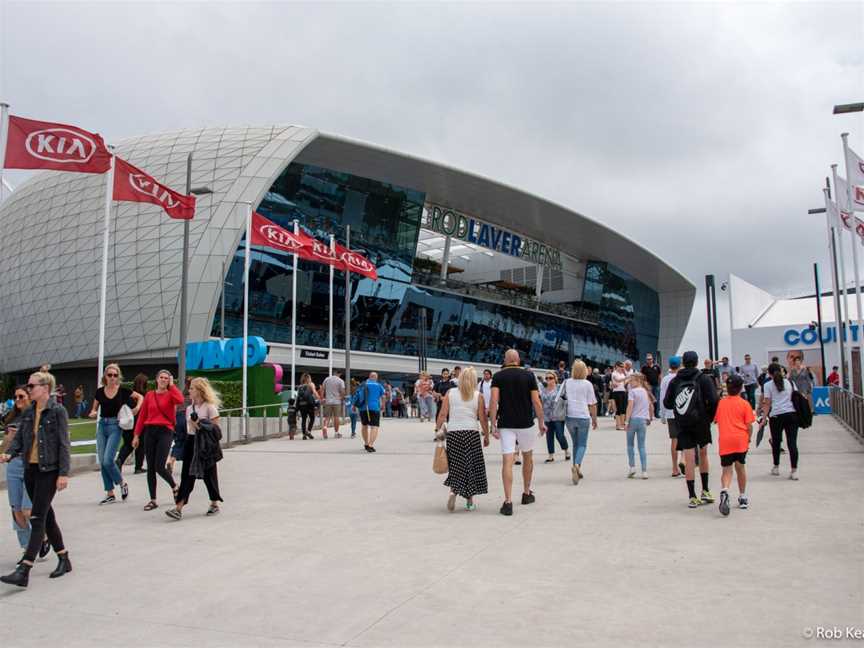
(735, 382)
(690, 359)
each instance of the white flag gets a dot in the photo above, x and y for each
(855, 168)
(841, 189)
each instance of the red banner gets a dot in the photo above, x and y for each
(43, 145)
(357, 262)
(131, 184)
(267, 233)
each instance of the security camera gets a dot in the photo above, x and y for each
(723, 286)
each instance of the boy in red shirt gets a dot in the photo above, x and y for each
(734, 419)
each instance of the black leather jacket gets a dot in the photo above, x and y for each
(52, 435)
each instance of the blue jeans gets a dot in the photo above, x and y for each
(636, 428)
(579, 428)
(655, 391)
(18, 498)
(427, 406)
(108, 436)
(353, 416)
(555, 429)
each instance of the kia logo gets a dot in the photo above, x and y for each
(357, 262)
(145, 185)
(60, 145)
(280, 237)
(323, 251)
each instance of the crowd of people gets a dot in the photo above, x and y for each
(164, 424)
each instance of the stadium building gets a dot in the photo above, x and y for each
(467, 266)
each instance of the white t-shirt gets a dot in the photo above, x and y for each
(580, 394)
(462, 414)
(618, 378)
(204, 411)
(486, 390)
(664, 387)
(781, 401)
(641, 403)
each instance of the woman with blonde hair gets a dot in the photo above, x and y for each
(639, 410)
(553, 416)
(201, 417)
(307, 401)
(107, 402)
(42, 440)
(580, 415)
(466, 466)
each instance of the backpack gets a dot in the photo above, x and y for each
(689, 406)
(306, 397)
(361, 395)
(802, 408)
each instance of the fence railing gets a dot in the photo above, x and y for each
(848, 408)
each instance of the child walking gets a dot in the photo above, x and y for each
(734, 420)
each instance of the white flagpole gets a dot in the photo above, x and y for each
(838, 317)
(853, 236)
(4, 129)
(847, 317)
(330, 354)
(294, 319)
(247, 263)
(109, 196)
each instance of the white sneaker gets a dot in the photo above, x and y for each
(644, 475)
(631, 473)
(775, 470)
(793, 475)
(743, 502)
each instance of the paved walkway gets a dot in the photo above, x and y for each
(320, 544)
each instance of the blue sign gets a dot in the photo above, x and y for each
(808, 336)
(225, 354)
(821, 400)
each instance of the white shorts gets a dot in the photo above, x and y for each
(509, 437)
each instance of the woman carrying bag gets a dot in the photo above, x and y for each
(467, 467)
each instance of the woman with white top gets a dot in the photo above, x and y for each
(619, 394)
(639, 409)
(205, 406)
(778, 407)
(486, 388)
(581, 413)
(466, 466)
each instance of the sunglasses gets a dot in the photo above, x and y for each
(113, 375)
(30, 386)
(21, 398)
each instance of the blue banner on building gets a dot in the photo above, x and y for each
(821, 400)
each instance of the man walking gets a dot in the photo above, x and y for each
(515, 403)
(332, 394)
(750, 375)
(369, 400)
(692, 396)
(667, 415)
(652, 374)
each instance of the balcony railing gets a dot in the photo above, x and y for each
(848, 408)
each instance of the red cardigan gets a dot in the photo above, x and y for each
(158, 409)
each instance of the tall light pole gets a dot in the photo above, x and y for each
(184, 281)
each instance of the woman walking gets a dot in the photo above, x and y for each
(139, 386)
(306, 404)
(619, 394)
(581, 414)
(202, 420)
(553, 416)
(42, 440)
(107, 402)
(778, 407)
(156, 419)
(425, 397)
(19, 501)
(467, 468)
(639, 409)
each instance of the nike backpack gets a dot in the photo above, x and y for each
(688, 402)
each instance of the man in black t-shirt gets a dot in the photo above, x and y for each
(515, 404)
(652, 373)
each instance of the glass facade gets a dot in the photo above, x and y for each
(386, 315)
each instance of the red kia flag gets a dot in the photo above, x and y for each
(131, 184)
(268, 234)
(357, 262)
(322, 253)
(34, 144)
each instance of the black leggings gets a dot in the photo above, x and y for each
(41, 487)
(127, 450)
(307, 412)
(187, 481)
(784, 423)
(158, 447)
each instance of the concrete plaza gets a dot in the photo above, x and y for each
(322, 544)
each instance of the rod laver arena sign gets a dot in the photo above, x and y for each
(450, 222)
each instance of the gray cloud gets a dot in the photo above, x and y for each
(702, 131)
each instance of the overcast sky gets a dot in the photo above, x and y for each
(702, 131)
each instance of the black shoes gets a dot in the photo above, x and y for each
(63, 566)
(20, 577)
(44, 549)
(528, 498)
(507, 508)
(124, 490)
(370, 448)
(139, 471)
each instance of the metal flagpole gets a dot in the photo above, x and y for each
(330, 354)
(348, 313)
(853, 236)
(109, 195)
(819, 321)
(4, 128)
(845, 330)
(184, 288)
(247, 263)
(838, 311)
(294, 318)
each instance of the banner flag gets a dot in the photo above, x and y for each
(268, 234)
(34, 144)
(855, 168)
(842, 190)
(131, 184)
(356, 262)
